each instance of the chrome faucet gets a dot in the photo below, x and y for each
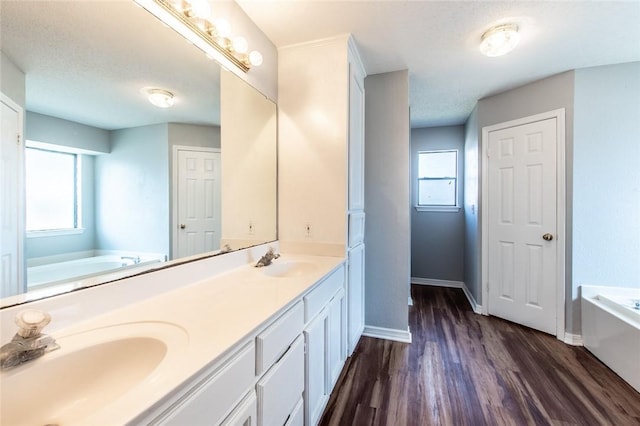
(267, 258)
(134, 259)
(225, 249)
(29, 342)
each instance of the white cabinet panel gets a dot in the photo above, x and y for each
(281, 387)
(355, 296)
(245, 414)
(272, 343)
(210, 400)
(335, 339)
(356, 228)
(356, 138)
(315, 368)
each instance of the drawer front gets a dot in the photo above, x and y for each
(297, 416)
(281, 388)
(211, 400)
(245, 414)
(317, 298)
(275, 340)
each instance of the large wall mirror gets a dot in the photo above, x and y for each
(113, 182)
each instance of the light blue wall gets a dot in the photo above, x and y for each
(12, 80)
(606, 189)
(437, 238)
(472, 278)
(44, 128)
(132, 201)
(387, 200)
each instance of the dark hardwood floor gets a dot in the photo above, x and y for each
(468, 369)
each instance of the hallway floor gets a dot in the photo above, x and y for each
(468, 369)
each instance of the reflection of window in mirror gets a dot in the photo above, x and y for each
(51, 190)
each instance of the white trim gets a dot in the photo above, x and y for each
(174, 190)
(387, 333)
(573, 339)
(54, 232)
(559, 115)
(437, 283)
(445, 209)
(451, 284)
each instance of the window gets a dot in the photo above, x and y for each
(438, 180)
(51, 190)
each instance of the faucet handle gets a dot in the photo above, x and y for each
(30, 322)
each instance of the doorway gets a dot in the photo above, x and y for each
(523, 221)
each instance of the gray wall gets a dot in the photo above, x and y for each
(437, 238)
(472, 278)
(387, 200)
(44, 128)
(606, 180)
(132, 201)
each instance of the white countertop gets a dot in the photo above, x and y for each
(210, 318)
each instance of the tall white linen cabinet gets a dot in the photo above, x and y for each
(321, 191)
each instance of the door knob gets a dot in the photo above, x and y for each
(182, 226)
(547, 237)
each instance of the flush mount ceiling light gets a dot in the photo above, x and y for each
(499, 40)
(159, 97)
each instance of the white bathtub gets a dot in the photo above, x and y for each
(611, 329)
(76, 269)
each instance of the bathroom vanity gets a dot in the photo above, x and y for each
(244, 346)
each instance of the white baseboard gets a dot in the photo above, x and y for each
(573, 339)
(387, 333)
(451, 284)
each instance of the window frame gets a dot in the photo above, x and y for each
(77, 187)
(438, 207)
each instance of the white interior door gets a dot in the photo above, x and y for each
(522, 209)
(198, 200)
(11, 200)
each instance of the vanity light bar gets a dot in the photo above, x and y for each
(179, 22)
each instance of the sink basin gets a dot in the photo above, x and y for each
(88, 372)
(288, 269)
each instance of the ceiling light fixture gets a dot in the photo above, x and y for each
(159, 97)
(499, 40)
(190, 18)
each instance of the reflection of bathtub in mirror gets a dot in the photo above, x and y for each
(53, 270)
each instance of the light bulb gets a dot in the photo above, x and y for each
(200, 8)
(255, 58)
(223, 28)
(240, 44)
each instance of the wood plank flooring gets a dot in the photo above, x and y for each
(468, 369)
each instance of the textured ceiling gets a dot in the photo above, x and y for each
(437, 41)
(86, 61)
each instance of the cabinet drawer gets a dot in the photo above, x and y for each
(275, 340)
(317, 298)
(296, 418)
(212, 398)
(281, 388)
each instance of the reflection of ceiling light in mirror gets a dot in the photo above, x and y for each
(499, 40)
(159, 97)
(200, 8)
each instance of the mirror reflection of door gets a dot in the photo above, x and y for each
(198, 201)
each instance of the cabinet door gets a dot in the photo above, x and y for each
(356, 139)
(355, 296)
(335, 339)
(315, 368)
